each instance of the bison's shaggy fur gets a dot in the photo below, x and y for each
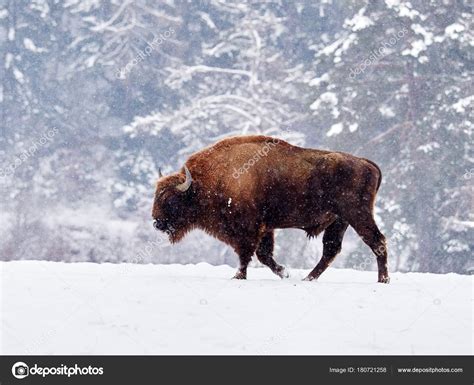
(243, 188)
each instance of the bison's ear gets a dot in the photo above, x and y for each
(187, 183)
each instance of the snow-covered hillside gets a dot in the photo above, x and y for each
(83, 308)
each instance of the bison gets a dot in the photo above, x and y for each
(241, 189)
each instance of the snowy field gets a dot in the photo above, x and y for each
(83, 308)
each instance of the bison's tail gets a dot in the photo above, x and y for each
(380, 172)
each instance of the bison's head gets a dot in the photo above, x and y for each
(173, 207)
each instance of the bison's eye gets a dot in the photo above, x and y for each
(159, 194)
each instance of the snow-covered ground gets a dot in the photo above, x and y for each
(83, 308)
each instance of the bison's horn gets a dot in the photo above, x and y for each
(187, 183)
(160, 174)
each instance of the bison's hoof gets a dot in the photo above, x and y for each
(384, 279)
(239, 275)
(282, 272)
(309, 278)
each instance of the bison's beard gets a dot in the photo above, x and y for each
(176, 234)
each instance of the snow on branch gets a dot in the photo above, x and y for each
(185, 73)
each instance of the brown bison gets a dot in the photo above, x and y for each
(241, 189)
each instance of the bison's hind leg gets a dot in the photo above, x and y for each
(332, 243)
(265, 255)
(365, 226)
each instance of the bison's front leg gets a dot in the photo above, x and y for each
(245, 253)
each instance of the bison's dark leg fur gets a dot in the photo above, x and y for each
(245, 256)
(332, 242)
(367, 229)
(265, 255)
